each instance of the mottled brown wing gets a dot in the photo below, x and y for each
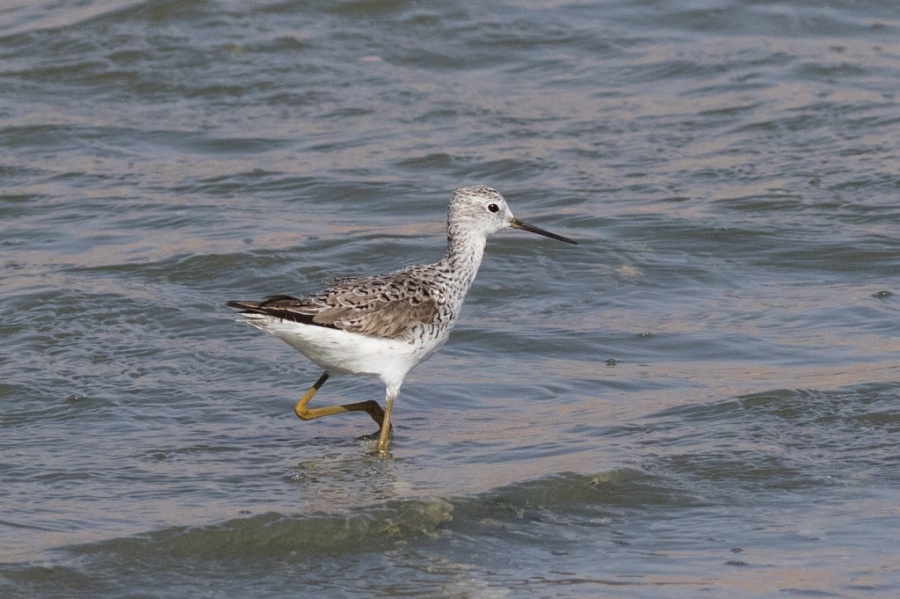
(384, 306)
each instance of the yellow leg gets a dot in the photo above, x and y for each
(371, 407)
(383, 438)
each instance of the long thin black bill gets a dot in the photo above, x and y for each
(517, 224)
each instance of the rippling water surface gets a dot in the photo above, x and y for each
(702, 399)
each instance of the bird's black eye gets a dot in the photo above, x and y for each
(493, 208)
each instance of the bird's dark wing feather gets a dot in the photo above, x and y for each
(381, 306)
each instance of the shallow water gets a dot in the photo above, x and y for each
(700, 399)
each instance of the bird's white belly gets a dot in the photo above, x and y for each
(341, 352)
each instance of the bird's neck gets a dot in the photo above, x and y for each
(464, 254)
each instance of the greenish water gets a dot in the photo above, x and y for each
(701, 399)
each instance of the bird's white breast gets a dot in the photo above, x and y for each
(341, 352)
